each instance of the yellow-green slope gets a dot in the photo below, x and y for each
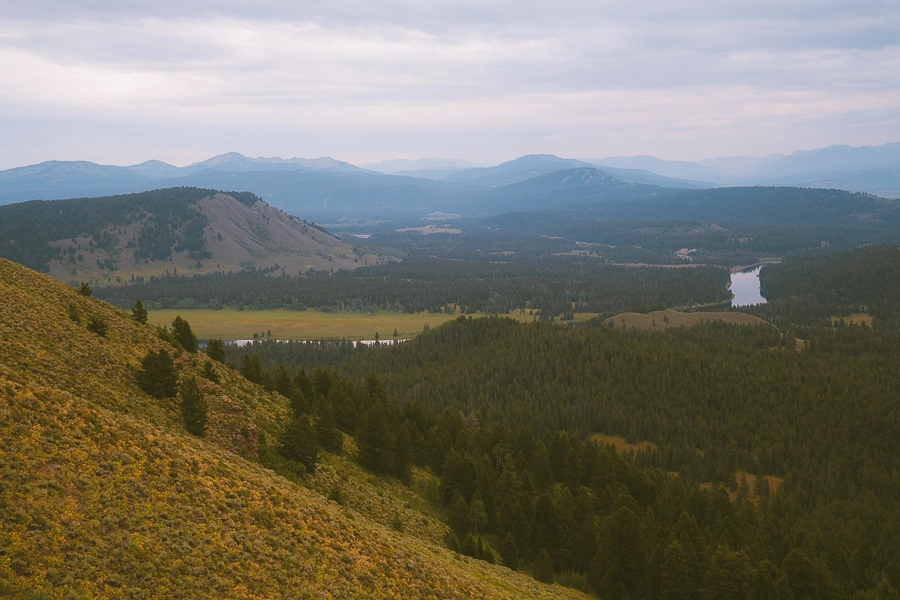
(103, 493)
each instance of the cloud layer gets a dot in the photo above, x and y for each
(126, 81)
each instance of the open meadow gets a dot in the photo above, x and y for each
(231, 324)
(663, 319)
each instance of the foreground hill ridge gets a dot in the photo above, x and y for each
(103, 493)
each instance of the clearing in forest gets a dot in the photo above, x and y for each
(232, 324)
(663, 319)
(621, 444)
(854, 319)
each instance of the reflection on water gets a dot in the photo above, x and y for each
(745, 287)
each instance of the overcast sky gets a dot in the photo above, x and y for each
(123, 81)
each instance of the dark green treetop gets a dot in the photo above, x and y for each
(139, 313)
(215, 349)
(181, 331)
(193, 407)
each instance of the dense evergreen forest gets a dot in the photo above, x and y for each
(815, 286)
(555, 285)
(764, 462)
(501, 411)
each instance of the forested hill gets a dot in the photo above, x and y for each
(836, 283)
(760, 205)
(113, 238)
(108, 491)
(717, 415)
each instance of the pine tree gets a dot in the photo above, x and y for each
(541, 470)
(510, 552)
(403, 451)
(617, 570)
(157, 375)
(674, 580)
(729, 576)
(139, 313)
(472, 547)
(85, 289)
(801, 575)
(182, 333)
(374, 389)
(376, 446)
(743, 490)
(477, 513)
(251, 369)
(763, 586)
(302, 384)
(73, 313)
(329, 437)
(344, 408)
(193, 407)
(299, 443)
(283, 383)
(458, 515)
(545, 523)
(542, 569)
(215, 349)
(320, 381)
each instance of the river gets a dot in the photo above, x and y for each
(745, 287)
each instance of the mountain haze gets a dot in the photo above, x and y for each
(399, 165)
(568, 189)
(872, 169)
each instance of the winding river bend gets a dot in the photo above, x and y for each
(745, 287)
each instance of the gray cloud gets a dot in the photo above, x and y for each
(679, 78)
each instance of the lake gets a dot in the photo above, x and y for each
(745, 287)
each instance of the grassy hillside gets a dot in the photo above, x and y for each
(104, 494)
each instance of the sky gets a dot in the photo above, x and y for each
(124, 81)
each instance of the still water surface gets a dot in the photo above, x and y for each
(745, 287)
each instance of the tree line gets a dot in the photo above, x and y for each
(554, 286)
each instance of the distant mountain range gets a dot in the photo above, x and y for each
(53, 180)
(328, 190)
(568, 189)
(319, 189)
(873, 169)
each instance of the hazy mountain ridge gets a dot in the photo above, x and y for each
(328, 196)
(55, 180)
(570, 189)
(873, 169)
(327, 190)
(534, 165)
